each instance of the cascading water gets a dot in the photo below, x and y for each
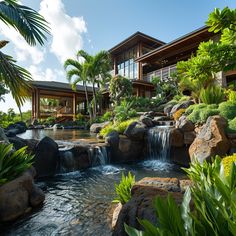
(101, 155)
(158, 148)
(159, 143)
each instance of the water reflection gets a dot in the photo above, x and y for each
(60, 134)
(78, 203)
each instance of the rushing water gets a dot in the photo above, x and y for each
(79, 203)
(159, 143)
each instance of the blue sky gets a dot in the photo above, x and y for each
(96, 25)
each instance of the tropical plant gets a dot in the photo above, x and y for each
(119, 88)
(77, 72)
(166, 88)
(32, 26)
(98, 70)
(225, 22)
(107, 116)
(123, 189)
(124, 111)
(3, 91)
(13, 163)
(213, 205)
(212, 95)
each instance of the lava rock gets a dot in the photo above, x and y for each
(135, 131)
(46, 157)
(18, 195)
(182, 105)
(210, 141)
(141, 204)
(177, 138)
(184, 124)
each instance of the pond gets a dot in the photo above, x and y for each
(78, 203)
(59, 134)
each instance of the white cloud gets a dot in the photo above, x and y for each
(24, 52)
(46, 74)
(66, 30)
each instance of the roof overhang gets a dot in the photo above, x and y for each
(133, 40)
(181, 45)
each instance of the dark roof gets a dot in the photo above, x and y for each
(53, 85)
(200, 30)
(134, 38)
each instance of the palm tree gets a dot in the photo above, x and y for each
(77, 73)
(33, 27)
(98, 71)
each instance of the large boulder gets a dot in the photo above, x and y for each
(176, 138)
(97, 127)
(135, 131)
(182, 105)
(75, 158)
(123, 149)
(141, 204)
(17, 128)
(184, 124)
(168, 108)
(46, 157)
(18, 196)
(211, 140)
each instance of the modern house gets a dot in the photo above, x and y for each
(139, 58)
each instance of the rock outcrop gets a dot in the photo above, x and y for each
(135, 131)
(141, 204)
(46, 157)
(19, 196)
(211, 140)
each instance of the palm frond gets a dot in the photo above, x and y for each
(15, 78)
(30, 24)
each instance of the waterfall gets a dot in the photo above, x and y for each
(100, 155)
(159, 143)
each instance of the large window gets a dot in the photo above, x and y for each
(126, 65)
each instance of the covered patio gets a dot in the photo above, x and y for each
(56, 99)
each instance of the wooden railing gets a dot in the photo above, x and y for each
(161, 73)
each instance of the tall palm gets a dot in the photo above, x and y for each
(33, 27)
(98, 69)
(78, 72)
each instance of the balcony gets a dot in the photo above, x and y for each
(161, 73)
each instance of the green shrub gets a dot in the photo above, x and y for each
(80, 117)
(107, 116)
(212, 210)
(199, 113)
(123, 189)
(124, 111)
(231, 95)
(232, 126)
(106, 130)
(190, 109)
(228, 110)
(12, 164)
(205, 113)
(120, 127)
(212, 95)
